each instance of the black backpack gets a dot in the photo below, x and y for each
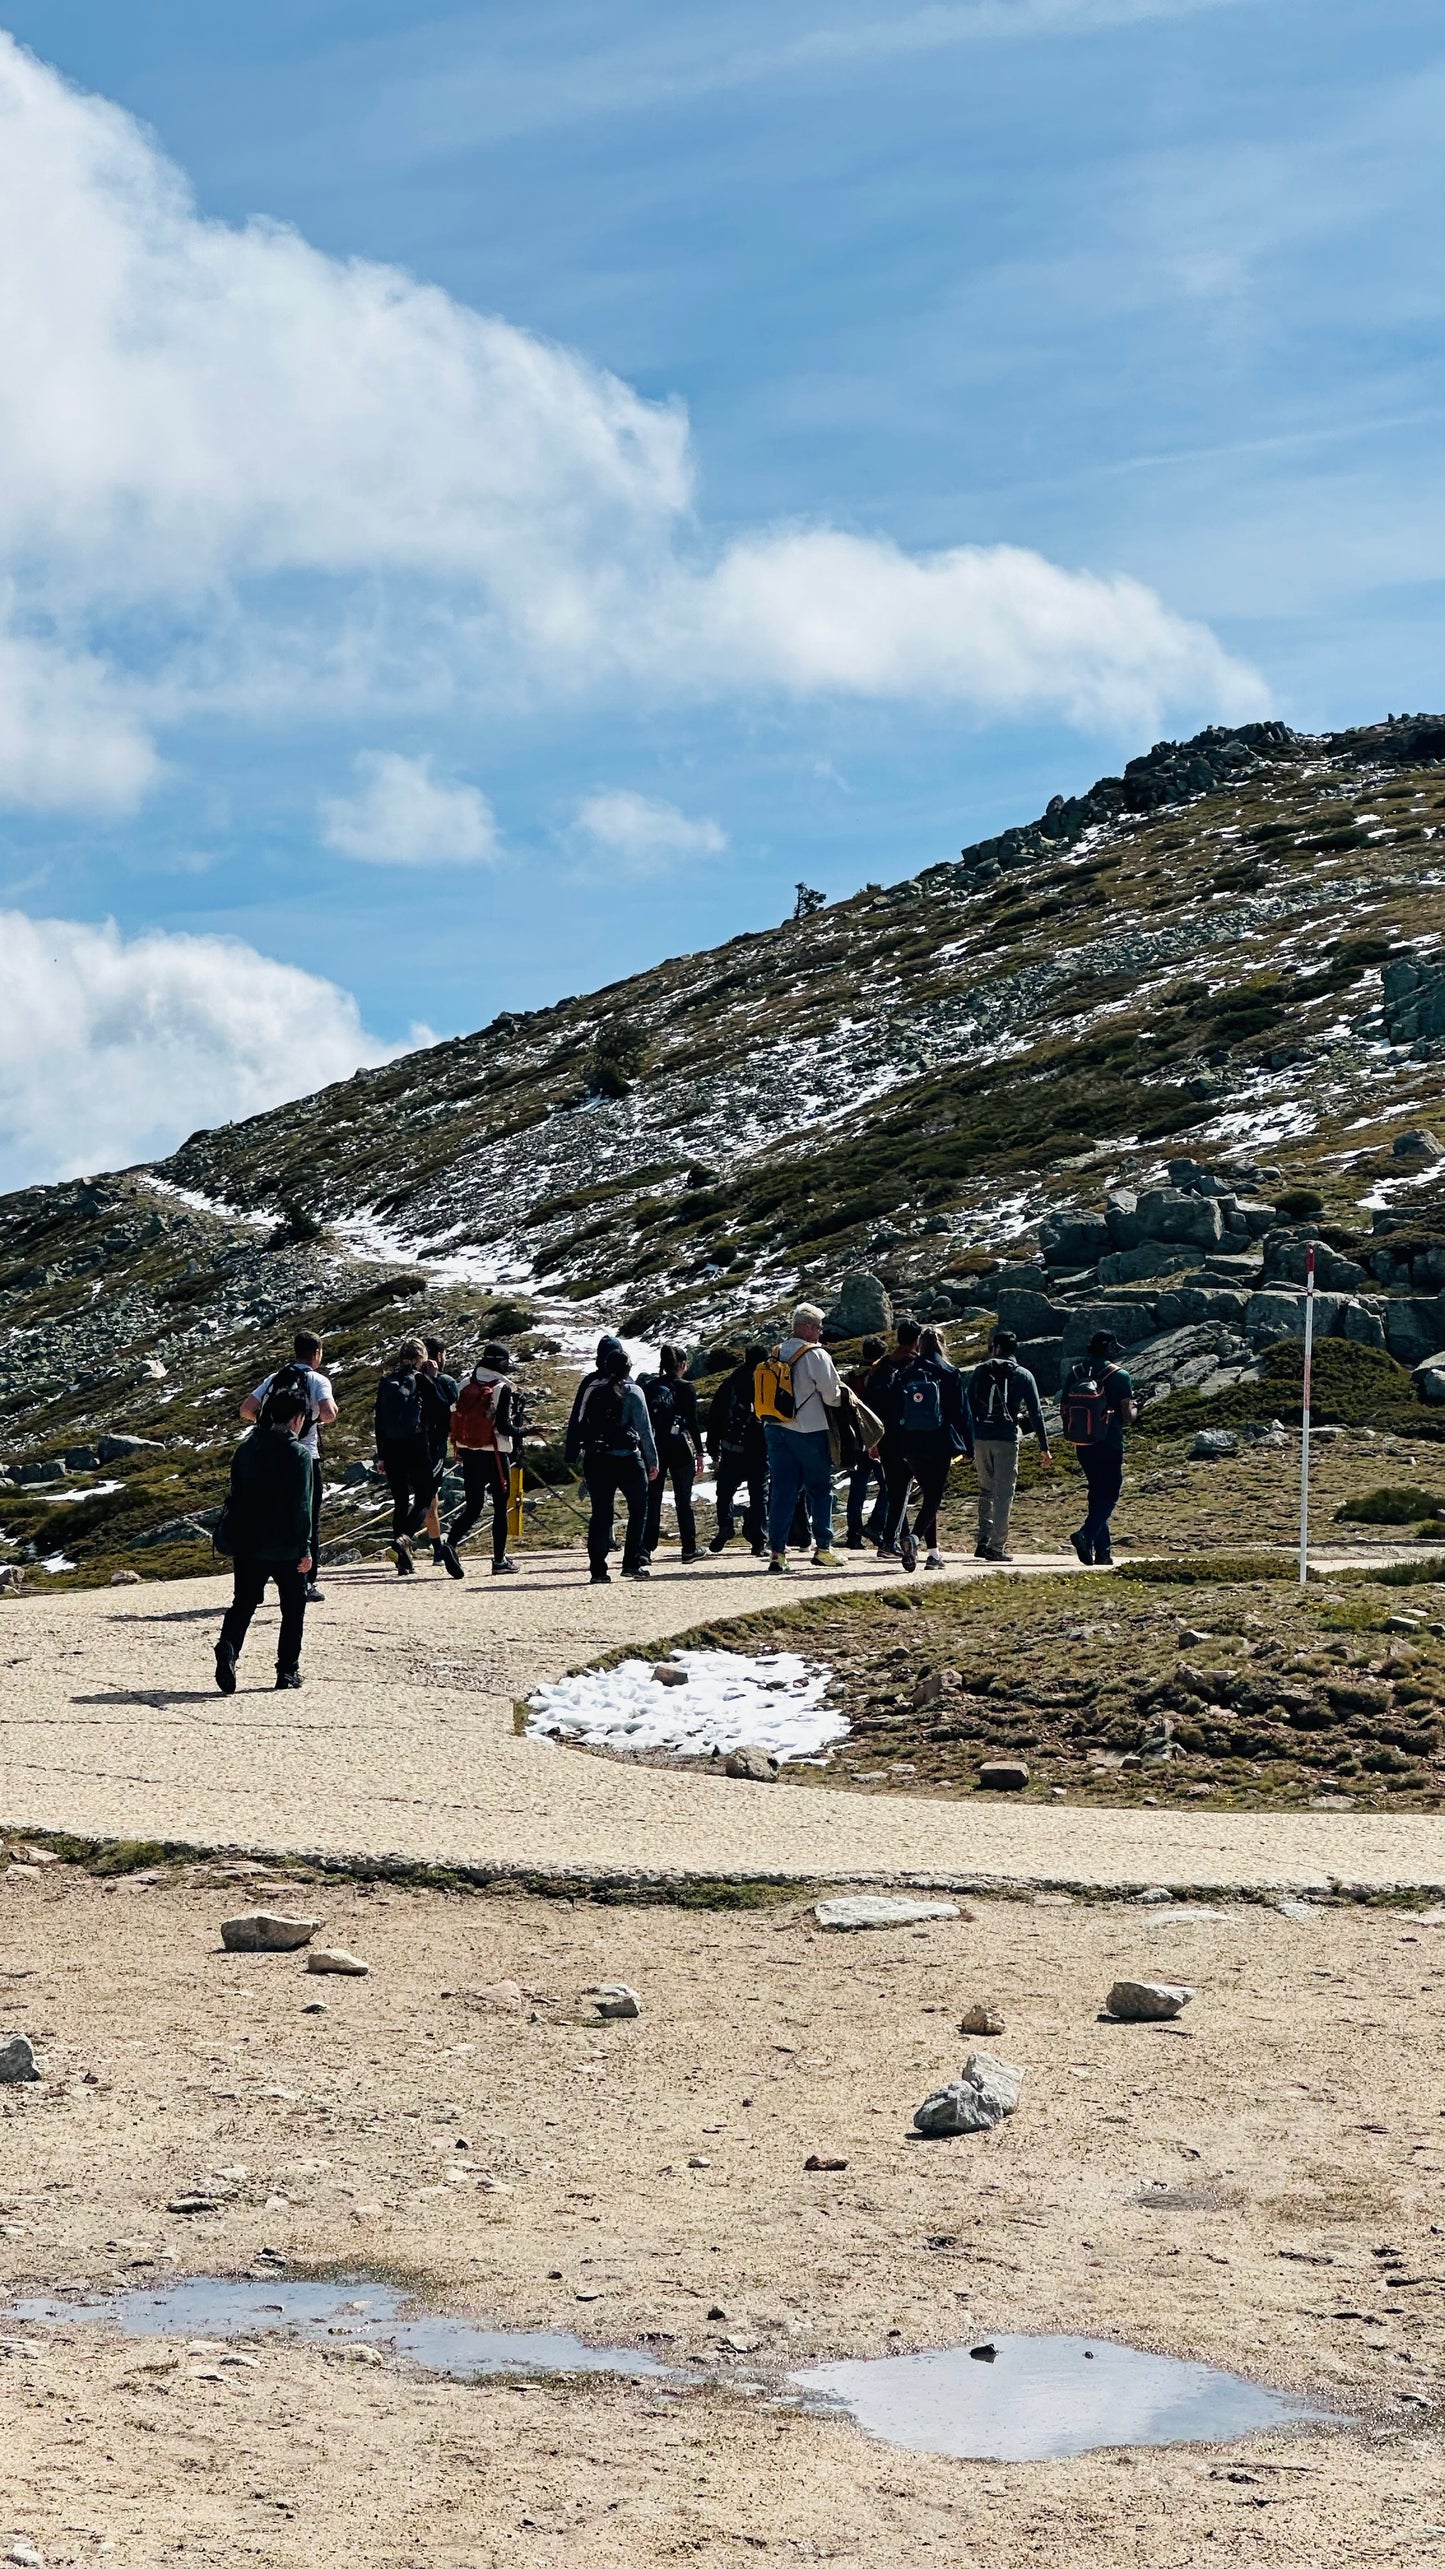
(662, 1409)
(398, 1408)
(603, 1413)
(992, 1380)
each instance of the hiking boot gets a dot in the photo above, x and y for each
(446, 1553)
(887, 1551)
(287, 1679)
(685, 1557)
(225, 1668)
(998, 1556)
(438, 1555)
(1077, 1544)
(855, 1543)
(934, 1561)
(503, 1568)
(780, 1567)
(315, 1596)
(760, 1552)
(405, 1565)
(825, 1558)
(907, 1550)
(1103, 1561)
(601, 1578)
(720, 1543)
(980, 1552)
(642, 1571)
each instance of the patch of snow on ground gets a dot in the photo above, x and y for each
(732, 1699)
(56, 1563)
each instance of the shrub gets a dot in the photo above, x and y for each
(617, 1055)
(1212, 1569)
(1390, 1507)
(1298, 1203)
(1352, 1386)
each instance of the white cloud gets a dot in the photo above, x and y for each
(641, 836)
(297, 482)
(112, 1049)
(401, 815)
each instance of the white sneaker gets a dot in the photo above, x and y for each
(934, 1561)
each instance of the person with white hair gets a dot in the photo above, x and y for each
(799, 1456)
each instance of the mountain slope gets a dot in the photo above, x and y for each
(1234, 951)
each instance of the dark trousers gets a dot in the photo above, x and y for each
(248, 1588)
(930, 1471)
(865, 1472)
(413, 1476)
(679, 1468)
(734, 1468)
(316, 1510)
(1103, 1469)
(610, 1476)
(484, 1477)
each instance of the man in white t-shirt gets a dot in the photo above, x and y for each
(798, 1451)
(321, 1410)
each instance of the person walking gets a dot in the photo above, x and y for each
(321, 1411)
(799, 1455)
(739, 1452)
(610, 1434)
(1003, 1400)
(867, 1382)
(266, 1527)
(928, 1426)
(407, 1453)
(486, 1429)
(438, 1400)
(672, 1407)
(1096, 1404)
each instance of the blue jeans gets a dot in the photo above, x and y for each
(798, 1461)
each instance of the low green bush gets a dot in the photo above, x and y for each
(1390, 1507)
(1210, 1569)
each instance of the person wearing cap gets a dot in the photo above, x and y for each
(610, 1434)
(484, 1423)
(1003, 1400)
(1102, 1461)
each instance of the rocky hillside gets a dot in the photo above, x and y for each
(972, 1083)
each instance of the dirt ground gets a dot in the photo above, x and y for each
(1259, 2187)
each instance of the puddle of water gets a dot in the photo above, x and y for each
(1040, 2398)
(360, 2314)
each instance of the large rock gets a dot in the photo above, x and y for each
(1257, 1216)
(335, 1958)
(751, 1765)
(114, 1449)
(1151, 1258)
(1414, 1327)
(1418, 1145)
(1364, 1323)
(1182, 1359)
(862, 1308)
(1074, 1240)
(1184, 1306)
(1286, 1253)
(983, 2094)
(1169, 1213)
(1429, 1380)
(880, 1909)
(1044, 1360)
(1031, 1314)
(1211, 1444)
(1131, 1322)
(1414, 997)
(1146, 2002)
(266, 1931)
(39, 1476)
(1280, 1313)
(17, 2060)
(1121, 1219)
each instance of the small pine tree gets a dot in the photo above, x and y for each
(617, 1055)
(808, 902)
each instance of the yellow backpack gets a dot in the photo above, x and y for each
(773, 1388)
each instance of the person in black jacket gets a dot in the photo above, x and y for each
(268, 1526)
(407, 1452)
(928, 1425)
(672, 1407)
(610, 1434)
(868, 1382)
(739, 1452)
(438, 1400)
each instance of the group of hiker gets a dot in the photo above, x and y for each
(781, 1424)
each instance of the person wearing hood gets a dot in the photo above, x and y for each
(610, 1434)
(1003, 1399)
(484, 1425)
(672, 1407)
(267, 1527)
(799, 1454)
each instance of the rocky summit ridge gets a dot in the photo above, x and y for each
(1231, 957)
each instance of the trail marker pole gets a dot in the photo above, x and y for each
(1304, 1451)
(514, 1503)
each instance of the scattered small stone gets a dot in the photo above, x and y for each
(314, 2007)
(1304, 1911)
(12, 1579)
(24, 2554)
(194, 2203)
(356, 2354)
(125, 1578)
(1003, 1775)
(17, 2060)
(1404, 1623)
(668, 1673)
(984, 2092)
(1212, 1443)
(980, 2019)
(336, 1958)
(614, 2000)
(751, 1765)
(985, 2354)
(1154, 1898)
(815, 2165)
(698, 2161)
(501, 1997)
(1189, 1639)
(879, 1909)
(1146, 2002)
(37, 1855)
(266, 1931)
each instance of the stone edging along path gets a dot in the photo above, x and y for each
(399, 1756)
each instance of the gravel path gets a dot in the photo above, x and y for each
(401, 1749)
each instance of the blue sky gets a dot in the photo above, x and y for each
(892, 417)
